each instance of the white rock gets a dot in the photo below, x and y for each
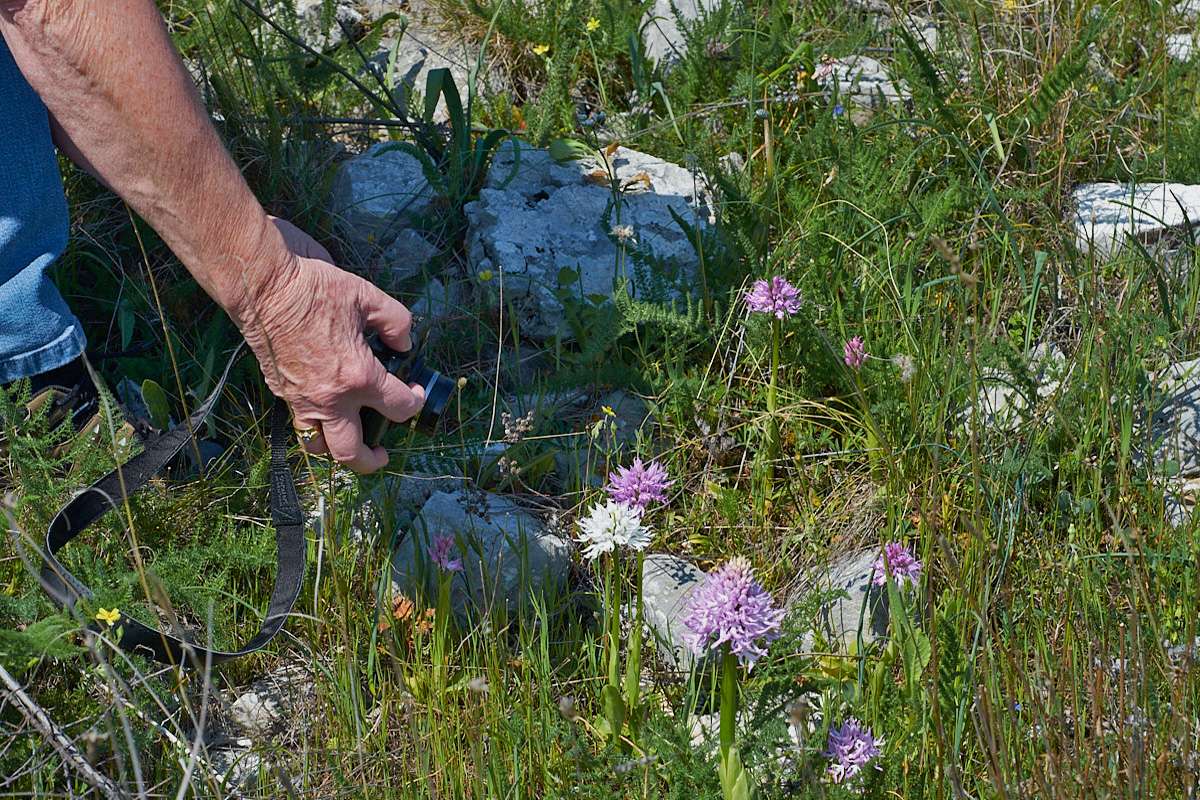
(861, 80)
(254, 714)
(839, 619)
(549, 217)
(1181, 46)
(434, 302)
(422, 46)
(1002, 400)
(507, 555)
(323, 29)
(667, 583)
(1107, 213)
(279, 702)
(732, 163)
(237, 766)
(389, 505)
(375, 196)
(1173, 436)
(407, 255)
(663, 41)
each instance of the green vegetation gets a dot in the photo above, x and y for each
(1031, 661)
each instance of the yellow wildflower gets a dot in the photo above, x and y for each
(593, 25)
(108, 617)
(608, 412)
(541, 49)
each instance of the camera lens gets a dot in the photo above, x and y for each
(438, 389)
(410, 368)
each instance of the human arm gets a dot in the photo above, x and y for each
(125, 108)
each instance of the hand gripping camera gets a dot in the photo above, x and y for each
(410, 368)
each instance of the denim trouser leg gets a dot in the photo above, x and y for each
(37, 330)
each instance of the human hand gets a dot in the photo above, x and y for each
(308, 334)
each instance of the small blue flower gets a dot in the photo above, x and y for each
(838, 110)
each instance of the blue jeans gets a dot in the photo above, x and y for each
(37, 330)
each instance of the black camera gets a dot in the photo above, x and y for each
(410, 368)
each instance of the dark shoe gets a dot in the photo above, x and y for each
(67, 392)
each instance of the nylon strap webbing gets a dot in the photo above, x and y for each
(131, 477)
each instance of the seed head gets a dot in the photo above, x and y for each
(623, 234)
(906, 365)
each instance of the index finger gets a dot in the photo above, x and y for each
(388, 317)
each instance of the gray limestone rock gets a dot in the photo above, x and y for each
(1172, 438)
(539, 226)
(276, 703)
(1181, 46)
(420, 45)
(887, 18)
(581, 459)
(1002, 403)
(323, 24)
(407, 255)
(667, 583)
(506, 552)
(861, 80)
(839, 619)
(1107, 214)
(236, 765)
(389, 506)
(1167, 438)
(434, 302)
(375, 198)
(663, 41)
(732, 163)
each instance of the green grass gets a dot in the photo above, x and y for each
(934, 231)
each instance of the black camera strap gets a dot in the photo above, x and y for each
(134, 475)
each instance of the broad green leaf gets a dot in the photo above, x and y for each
(569, 150)
(614, 709)
(735, 781)
(125, 321)
(157, 404)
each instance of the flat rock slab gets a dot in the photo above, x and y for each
(1167, 440)
(1107, 214)
(1172, 438)
(541, 227)
(861, 80)
(376, 198)
(662, 39)
(861, 607)
(667, 583)
(506, 552)
(387, 508)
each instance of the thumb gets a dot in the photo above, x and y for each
(388, 317)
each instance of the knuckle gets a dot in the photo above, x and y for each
(361, 376)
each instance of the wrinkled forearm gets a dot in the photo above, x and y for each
(122, 100)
